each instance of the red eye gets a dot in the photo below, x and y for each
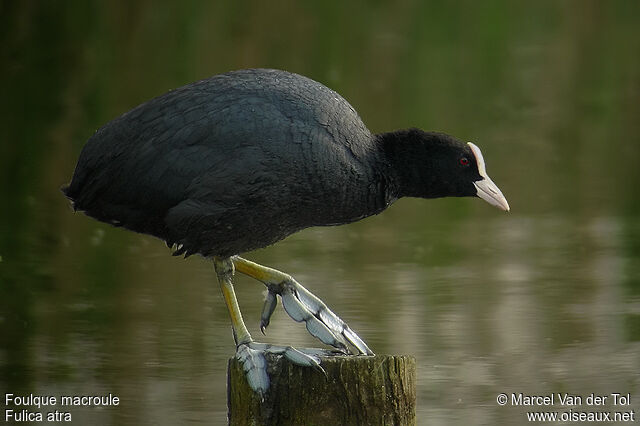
(464, 161)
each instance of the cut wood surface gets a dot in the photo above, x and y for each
(357, 390)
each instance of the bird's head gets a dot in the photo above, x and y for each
(433, 165)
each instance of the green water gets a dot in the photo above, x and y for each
(541, 300)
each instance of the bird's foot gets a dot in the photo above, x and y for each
(254, 363)
(301, 305)
(321, 322)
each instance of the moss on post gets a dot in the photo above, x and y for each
(372, 390)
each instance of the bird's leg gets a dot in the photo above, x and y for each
(252, 354)
(301, 305)
(224, 270)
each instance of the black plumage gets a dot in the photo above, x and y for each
(243, 159)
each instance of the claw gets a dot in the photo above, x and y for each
(305, 358)
(255, 368)
(356, 341)
(270, 303)
(300, 358)
(254, 363)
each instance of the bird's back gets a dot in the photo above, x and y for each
(231, 163)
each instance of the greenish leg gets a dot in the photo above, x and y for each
(252, 354)
(225, 270)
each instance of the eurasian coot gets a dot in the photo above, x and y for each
(241, 160)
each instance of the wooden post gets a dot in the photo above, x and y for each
(371, 390)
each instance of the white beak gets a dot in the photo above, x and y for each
(486, 189)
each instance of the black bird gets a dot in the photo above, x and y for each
(243, 159)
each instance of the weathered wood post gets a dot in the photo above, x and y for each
(358, 390)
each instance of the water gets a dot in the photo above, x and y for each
(541, 300)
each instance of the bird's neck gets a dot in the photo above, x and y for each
(408, 165)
